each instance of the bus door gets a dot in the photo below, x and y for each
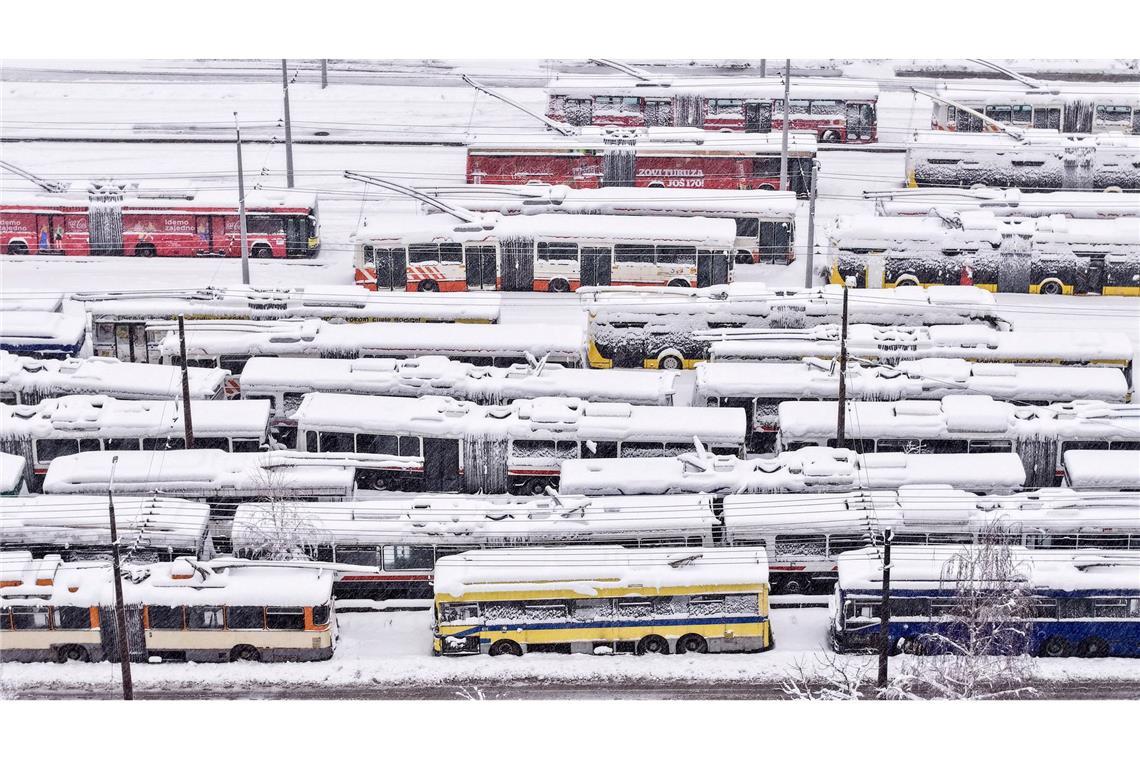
(757, 117)
(296, 236)
(481, 267)
(1078, 116)
(441, 465)
(130, 342)
(1096, 280)
(136, 642)
(596, 266)
(517, 263)
(713, 268)
(49, 234)
(1047, 118)
(860, 120)
(391, 268)
(204, 229)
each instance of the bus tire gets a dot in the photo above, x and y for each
(744, 258)
(794, 585)
(653, 645)
(912, 646)
(72, 653)
(1051, 288)
(245, 653)
(1056, 646)
(428, 286)
(17, 247)
(670, 360)
(692, 643)
(505, 646)
(535, 486)
(376, 481)
(678, 283)
(766, 186)
(261, 251)
(829, 136)
(906, 281)
(146, 250)
(1094, 646)
(558, 285)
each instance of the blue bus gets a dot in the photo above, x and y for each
(1082, 603)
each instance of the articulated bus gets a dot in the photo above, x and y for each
(934, 201)
(180, 611)
(1084, 603)
(1040, 435)
(693, 159)
(128, 325)
(602, 600)
(1050, 255)
(668, 329)
(28, 381)
(393, 544)
(70, 424)
(547, 252)
(837, 110)
(1034, 161)
(1084, 107)
(112, 220)
(515, 448)
(1100, 468)
(759, 388)
(765, 222)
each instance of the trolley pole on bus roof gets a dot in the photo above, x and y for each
(784, 138)
(324, 73)
(288, 126)
(841, 423)
(241, 208)
(809, 271)
(885, 610)
(189, 421)
(120, 609)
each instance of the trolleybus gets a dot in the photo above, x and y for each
(926, 201)
(1098, 468)
(1078, 107)
(42, 334)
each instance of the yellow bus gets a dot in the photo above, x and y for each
(602, 600)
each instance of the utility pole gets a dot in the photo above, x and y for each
(787, 110)
(324, 73)
(120, 609)
(841, 424)
(288, 126)
(241, 208)
(885, 610)
(809, 272)
(763, 67)
(189, 429)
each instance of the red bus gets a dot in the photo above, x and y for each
(111, 220)
(837, 110)
(654, 157)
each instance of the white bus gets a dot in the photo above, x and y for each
(150, 528)
(765, 222)
(71, 424)
(180, 611)
(395, 543)
(805, 533)
(1079, 107)
(662, 328)
(759, 388)
(1049, 255)
(28, 381)
(120, 321)
(229, 345)
(1040, 435)
(926, 201)
(13, 475)
(547, 252)
(514, 448)
(811, 469)
(1097, 468)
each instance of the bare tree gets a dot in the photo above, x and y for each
(279, 530)
(832, 677)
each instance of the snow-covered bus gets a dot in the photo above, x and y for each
(181, 611)
(122, 324)
(42, 334)
(1049, 255)
(1035, 160)
(547, 252)
(811, 469)
(765, 222)
(229, 345)
(13, 475)
(150, 528)
(1076, 107)
(927, 201)
(514, 448)
(1084, 603)
(837, 110)
(669, 329)
(1040, 435)
(805, 533)
(595, 600)
(1101, 468)
(24, 380)
(393, 544)
(71, 424)
(759, 388)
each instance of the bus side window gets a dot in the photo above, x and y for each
(48, 449)
(206, 618)
(311, 440)
(238, 445)
(121, 444)
(990, 447)
(599, 450)
(165, 618)
(285, 618)
(341, 443)
(72, 618)
(749, 227)
(409, 558)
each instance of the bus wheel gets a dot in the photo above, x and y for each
(17, 247)
(794, 585)
(505, 646)
(558, 285)
(653, 645)
(261, 251)
(906, 281)
(145, 250)
(1093, 647)
(428, 286)
(1051, 288)
(829, 136)
(73, 653)
(534, 486)
(376, 482)
(912, 646)
(692, 643)
(1055, 646)
(245, 653)
(678, 283)
(670, 360)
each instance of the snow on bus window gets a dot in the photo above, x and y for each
(706, 605)
(810, 545)
(741, 604)
(593, 609)
(534, 449)
(634, 608)
(617, 103)
(1113, 114)
(725, 106)
(825, 107)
